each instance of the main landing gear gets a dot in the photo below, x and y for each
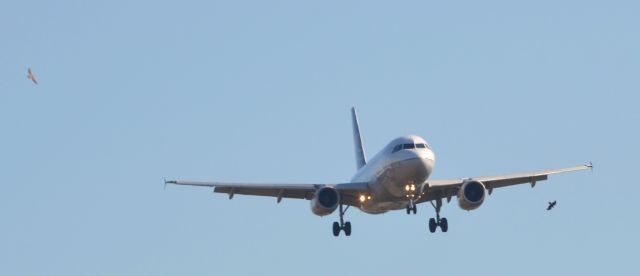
(346, 226)
(442, 222)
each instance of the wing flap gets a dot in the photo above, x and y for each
(498, 183)
(256, 191)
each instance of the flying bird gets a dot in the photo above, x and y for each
(31, 76)
(551, 205)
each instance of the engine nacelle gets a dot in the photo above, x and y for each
(325, 201)
(471, 195)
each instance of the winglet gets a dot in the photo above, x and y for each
(361, 160)
(168, 182)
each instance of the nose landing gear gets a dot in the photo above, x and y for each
(412, 207)
(442, 222)
(411, 193)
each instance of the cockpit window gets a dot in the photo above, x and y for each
(396, 148)
(408, 146)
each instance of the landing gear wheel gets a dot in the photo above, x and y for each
(412, 207)
(347, 228)
(444, 225)
(432, 225)
(336, 229)
(342, 225)
(441, 222)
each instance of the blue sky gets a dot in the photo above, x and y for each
(132, 92)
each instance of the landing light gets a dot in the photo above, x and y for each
(362, 198)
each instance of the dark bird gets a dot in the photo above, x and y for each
(551, 205)
(31, 76)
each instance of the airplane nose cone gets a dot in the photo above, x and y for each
(426, 154)
(422, 155)
(409, 171)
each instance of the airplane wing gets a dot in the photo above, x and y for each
(446, 188)
(348, 191)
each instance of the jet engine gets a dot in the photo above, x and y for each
(325, 201)
(471, 195)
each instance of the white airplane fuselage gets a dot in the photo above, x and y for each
(390, 172)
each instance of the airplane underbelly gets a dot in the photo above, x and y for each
(383, 207)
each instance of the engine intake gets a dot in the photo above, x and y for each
(325, 201)
(471, 195)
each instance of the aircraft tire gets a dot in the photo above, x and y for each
(347, 228)
(336, 229)
(444, 225)
(432, 225)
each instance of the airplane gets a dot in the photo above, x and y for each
(551, 205)
(395, 178)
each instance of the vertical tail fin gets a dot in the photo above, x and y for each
(361, 160)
